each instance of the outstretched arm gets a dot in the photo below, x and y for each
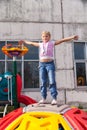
(29, 43)
(75, 37)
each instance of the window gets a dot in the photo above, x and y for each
(31, 72)
(27, 65)
(80, 56)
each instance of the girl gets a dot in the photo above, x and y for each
(46, 64)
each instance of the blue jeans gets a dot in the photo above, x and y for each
(47, 75)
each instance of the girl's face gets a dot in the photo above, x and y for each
(45, 38)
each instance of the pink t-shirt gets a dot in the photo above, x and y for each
(46, 50)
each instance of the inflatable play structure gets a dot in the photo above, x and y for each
(45, 117)
(11, 84)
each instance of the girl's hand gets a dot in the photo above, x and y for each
(76, 37)
(21, 42)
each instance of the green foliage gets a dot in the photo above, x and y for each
(80, 106)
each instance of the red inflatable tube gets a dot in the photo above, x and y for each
(77, 118)
(26, 100)
(23, 98)
(5, 121)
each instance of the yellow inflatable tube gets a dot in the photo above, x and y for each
(39, 121)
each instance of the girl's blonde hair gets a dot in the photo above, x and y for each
(46, 32)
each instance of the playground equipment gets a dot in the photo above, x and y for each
(40, 116)
(45, 117)
(6, 86)
(14, 51)
(20, 97)
(5, 91)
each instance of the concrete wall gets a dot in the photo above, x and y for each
(26, 19)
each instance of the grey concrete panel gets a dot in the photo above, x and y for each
(76, 29)
(29, 31)
(3, 10)
(77, 96)
(65, 79)
(74, 11)
(30, 10)
(64, 55)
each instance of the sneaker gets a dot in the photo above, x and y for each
(54, 102)
(42, 101)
